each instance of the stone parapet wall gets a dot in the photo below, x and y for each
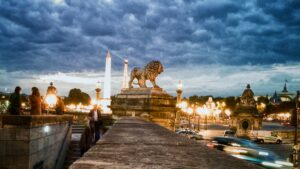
(38, 141)
(133, 143)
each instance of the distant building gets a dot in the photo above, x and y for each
(285, 95)
(275, 99)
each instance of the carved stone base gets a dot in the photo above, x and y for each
(152, 104)
(245, 119)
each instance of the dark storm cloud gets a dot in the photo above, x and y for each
(75, 35)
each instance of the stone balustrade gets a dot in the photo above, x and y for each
(135, 143)
(32, 142)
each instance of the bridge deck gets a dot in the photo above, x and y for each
(134, 143)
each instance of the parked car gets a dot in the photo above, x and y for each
(229, 133)
(191, 134)
(266, 137)
(249, 151)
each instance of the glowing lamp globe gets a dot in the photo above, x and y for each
(51, 99)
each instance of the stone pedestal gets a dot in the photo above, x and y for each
(245, 119)
(151, 104)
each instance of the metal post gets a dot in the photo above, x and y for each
(189, 122)
(296, 147)
(206, 125)
(198, 123)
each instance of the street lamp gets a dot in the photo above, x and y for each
(183, 105)
(228, 113)
(204, 112)
(296, 146)
(190, 111)
(51, 100)
(198, 111)
(179, 105)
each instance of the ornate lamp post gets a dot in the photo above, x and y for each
(98, 93)
(51, 98)
(296, 146)
(204, 112)
(228, 113)
(190, 112)
(198, 111)
(179, 104)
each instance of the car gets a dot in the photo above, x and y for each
(249, 151)
(270, 137)
(229, 133)
(191, 134)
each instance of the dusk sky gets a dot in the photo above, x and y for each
(215, 47)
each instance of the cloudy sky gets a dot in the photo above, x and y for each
(214, 47)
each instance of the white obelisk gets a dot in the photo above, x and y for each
(125, 75)
(107, 77)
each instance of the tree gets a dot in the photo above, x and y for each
(203, 99)
(76, 96)
(230, 102)
(193, 99)
(262, 99)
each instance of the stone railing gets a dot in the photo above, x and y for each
(135, 143)
(82, 118)
(34, 141)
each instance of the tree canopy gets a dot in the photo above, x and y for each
(76, 96)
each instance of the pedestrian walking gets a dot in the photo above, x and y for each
(95, 123)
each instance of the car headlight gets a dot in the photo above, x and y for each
(239, 151)
(269, 164)
(263, 153)
(235, 144)
(284, 163)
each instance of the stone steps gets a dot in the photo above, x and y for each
(78, 129)
(74, 149)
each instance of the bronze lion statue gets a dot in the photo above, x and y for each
(149, 72)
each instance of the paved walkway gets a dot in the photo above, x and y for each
(134, 143)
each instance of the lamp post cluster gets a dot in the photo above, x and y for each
(210, 111)
(192, 110)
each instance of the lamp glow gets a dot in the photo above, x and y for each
(46, 129)
(51, 99)
(183, 105)
(227, 112)
(189, 110)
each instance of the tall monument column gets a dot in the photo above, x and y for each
(125, 75)
(107, 77)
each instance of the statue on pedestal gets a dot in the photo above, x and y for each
(152, 104)
(247, 98)
(51, 89)
(149, 72)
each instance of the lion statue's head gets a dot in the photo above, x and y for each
(153, 69)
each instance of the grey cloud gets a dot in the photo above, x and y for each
(75, 36)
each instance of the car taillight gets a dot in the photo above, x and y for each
(211, 145)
